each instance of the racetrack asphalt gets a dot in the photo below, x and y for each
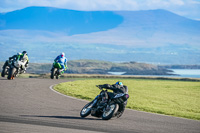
(29, 105)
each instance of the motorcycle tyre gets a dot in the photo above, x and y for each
(3, 72)
(86, 114)
(53, 73)
(112, 113)
(11, 73)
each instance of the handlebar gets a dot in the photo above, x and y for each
(100, 87)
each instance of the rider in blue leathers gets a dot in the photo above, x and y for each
(62, 60)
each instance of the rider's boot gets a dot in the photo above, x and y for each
(24, 69)
(61, 71)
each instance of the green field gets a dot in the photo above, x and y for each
(176, 98)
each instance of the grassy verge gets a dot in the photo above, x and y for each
(176, 98)
(28, 75)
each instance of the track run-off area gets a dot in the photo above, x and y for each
(31, 105)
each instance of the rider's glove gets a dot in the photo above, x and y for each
(99, 86)
(66, 67)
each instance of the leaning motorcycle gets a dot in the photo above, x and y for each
(15, 69)
(113, 108)
(55, 71)
(6, 67)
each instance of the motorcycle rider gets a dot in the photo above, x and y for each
(24, 58)
(117, 88)
(62, 60)
(15, 57)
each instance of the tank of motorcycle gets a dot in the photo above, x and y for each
(57, 65)
(18, 63)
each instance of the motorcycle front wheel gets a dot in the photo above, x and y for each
(3, 72)
(109, 111)
(86, 110)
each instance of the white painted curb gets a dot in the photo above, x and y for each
(51, 87)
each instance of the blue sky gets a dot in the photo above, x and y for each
(187, 8)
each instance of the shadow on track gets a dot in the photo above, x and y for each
(3, 79)
(26, 119)
(61, 117)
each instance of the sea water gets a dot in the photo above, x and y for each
(185, 73)
(188, 73)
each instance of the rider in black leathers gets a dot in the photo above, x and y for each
(14, 57)
(117, 88)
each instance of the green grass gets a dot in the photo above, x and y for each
(28, 75)
(176, 98)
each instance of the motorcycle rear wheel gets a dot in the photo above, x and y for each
(108, 114)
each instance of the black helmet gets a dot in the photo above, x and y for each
(24, 52)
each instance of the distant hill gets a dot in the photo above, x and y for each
(100, 67)
(50, 19)
(153, 36)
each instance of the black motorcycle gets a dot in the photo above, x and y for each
(15, 69)
(112, 108)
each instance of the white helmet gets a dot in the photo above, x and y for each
(62, 54)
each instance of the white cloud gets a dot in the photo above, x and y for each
(194, 1)
(177, 2)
